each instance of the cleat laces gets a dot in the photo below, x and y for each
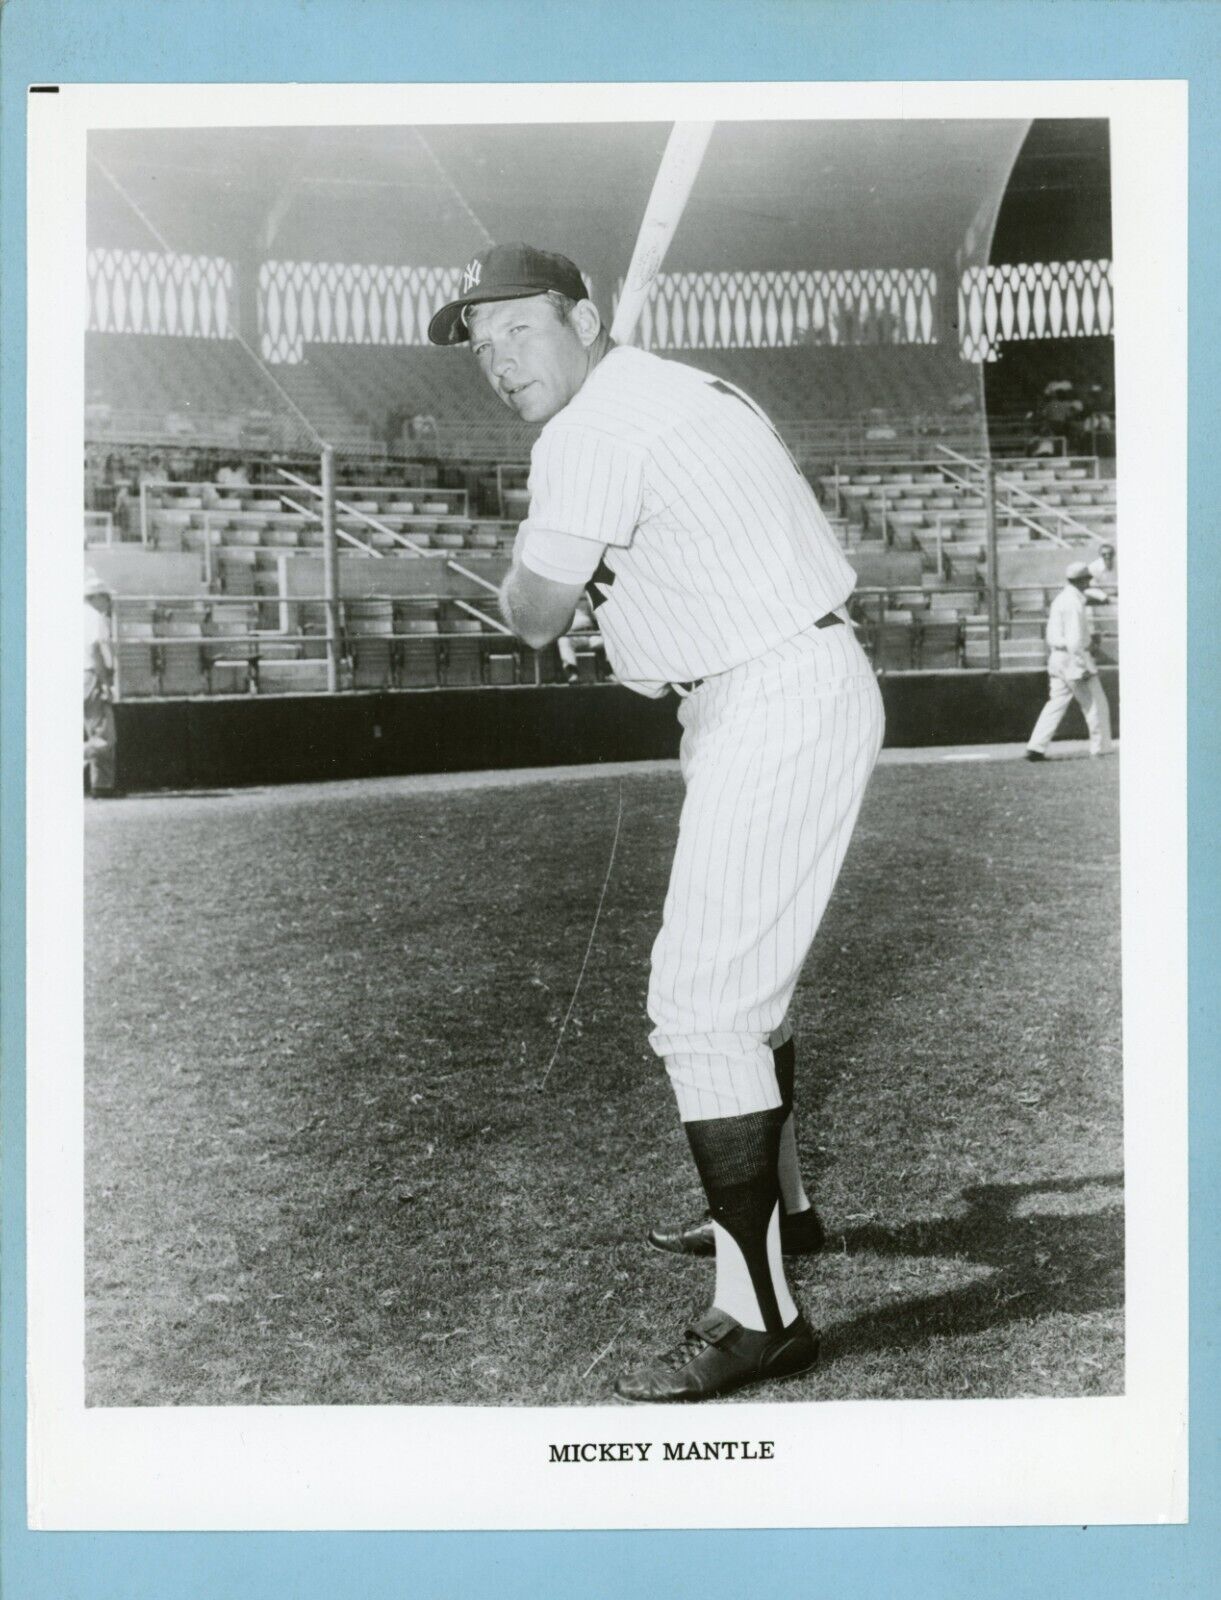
(688, 1347)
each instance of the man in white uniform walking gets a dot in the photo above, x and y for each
(713, 572)
(1071, 671)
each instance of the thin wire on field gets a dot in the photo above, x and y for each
(605, 1350)
(588, 948)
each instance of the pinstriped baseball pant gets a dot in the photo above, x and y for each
(775, 757)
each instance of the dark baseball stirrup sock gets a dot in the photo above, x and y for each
(737, 1160)
(784, 1057)
(792, 1192)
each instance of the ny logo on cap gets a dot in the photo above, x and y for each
(472, 275)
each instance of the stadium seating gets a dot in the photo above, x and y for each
(136, 675)
(912, 525)
(463, 651)
(420, 654)
(291, 676)
(938, 644)
(141, 381)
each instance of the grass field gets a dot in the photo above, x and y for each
(320, 1167)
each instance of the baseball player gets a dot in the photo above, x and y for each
(1071, 670)
(712, 572)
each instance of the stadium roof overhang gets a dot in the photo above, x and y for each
(769, 195)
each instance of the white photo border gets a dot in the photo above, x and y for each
(844, 1464)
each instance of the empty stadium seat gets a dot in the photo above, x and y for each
(1027, 628)
(463, 653)
(373, 661)
(938, 644)
(419, 657)
(136, 675)
(183, 668)
(291, 676)
(500, 664)
(1027, 653)
(894, 642)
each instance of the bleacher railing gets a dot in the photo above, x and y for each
(931, 595)
(221, 502)
(392, 643)
(203, 627)
(1017, 502)
(490, 442)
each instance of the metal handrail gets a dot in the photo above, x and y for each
(1010, 488)
(256, 638)
(340, 533)
(272, 491)
(1014, 511)
(1043, 505)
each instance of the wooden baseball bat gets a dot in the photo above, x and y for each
(680, 162)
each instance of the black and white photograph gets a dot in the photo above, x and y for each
(617, 628)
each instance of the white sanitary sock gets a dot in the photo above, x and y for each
(735, 1293)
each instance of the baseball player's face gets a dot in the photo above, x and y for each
(534, 361)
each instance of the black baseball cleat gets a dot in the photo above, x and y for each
(801, 1234)
(1035, 755)
(717, 1355)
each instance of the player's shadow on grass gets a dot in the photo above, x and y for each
(1040, 1264)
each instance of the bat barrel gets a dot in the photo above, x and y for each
(680, 162)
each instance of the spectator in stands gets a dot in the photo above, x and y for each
(878, 426)
(1071, 670)
(1097, 432)
(1045, 441)
(1060, 404)
(99, 752)
(582, 630)
(1104, 579)
(124, 512)
(396, 422)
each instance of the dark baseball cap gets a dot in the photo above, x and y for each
(505, 272)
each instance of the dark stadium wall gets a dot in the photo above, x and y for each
(1057, 203)
(220, 743)
(1056, 207)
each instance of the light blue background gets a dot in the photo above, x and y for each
(331, 41)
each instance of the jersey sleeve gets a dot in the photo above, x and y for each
(587, 484)
(559, 556)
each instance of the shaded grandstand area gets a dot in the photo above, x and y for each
(173, 389)
(911, 303)
(365, 398)
(299, 220)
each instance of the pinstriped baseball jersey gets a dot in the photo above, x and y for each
(707, 546)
